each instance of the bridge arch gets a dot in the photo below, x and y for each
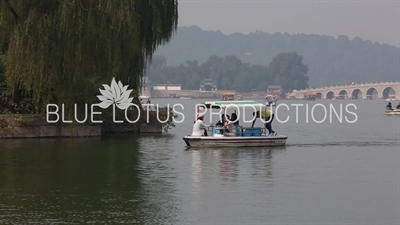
(372, 93)
(355, 91)
(356, 94)
(388, 92)
(343, 94)
(318, 95)
(330, 95)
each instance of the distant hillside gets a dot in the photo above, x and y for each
(330, 61)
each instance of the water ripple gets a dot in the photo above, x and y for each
(346, 144)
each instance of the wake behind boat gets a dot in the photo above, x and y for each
(245, 136)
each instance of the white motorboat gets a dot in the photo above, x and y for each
(245, 136)
(238, 141)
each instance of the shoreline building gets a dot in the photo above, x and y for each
(208, 89)
(276, 90)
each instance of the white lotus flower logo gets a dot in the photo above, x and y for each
(116, 94)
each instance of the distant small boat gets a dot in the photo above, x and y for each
(185, 98)
(228, 96)
(393, 112)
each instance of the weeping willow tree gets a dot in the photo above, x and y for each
(61, 51)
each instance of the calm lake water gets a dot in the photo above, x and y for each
(329, 173)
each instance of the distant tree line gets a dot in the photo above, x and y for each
(230, 73)
(331, 60)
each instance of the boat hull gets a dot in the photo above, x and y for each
(392, 112)
(210, 141)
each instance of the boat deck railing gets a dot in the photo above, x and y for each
(240, 131)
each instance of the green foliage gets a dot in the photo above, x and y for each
(62, 51)
(168, 115)
(19, 120)
(7, 103)
(287, 69)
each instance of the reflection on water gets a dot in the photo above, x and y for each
(228, 164)
(157, 174)
(84, 180)
(228, 178)
(328, 173)
(196, 172)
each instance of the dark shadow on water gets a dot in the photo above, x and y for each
(81, 180)
(39, 143)
(134, 135)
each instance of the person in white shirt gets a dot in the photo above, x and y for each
(199, 125)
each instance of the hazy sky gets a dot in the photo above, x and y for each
(378, 21)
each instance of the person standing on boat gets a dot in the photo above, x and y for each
(266, 116)
(200, 125)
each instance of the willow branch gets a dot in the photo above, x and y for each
(4, 29)
(12, 11)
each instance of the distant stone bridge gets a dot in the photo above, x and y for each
(382, 90)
